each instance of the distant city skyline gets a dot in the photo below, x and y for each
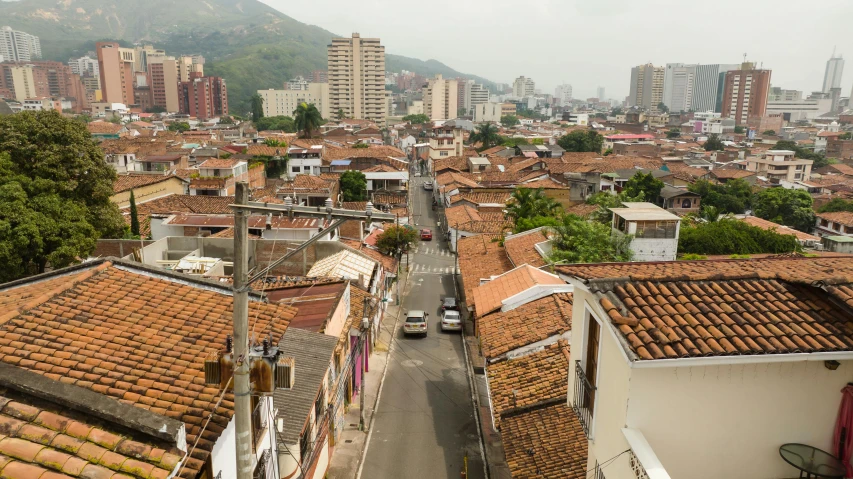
(798, 61)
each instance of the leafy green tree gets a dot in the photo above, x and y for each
(179, 126)
(461, 112)
(787, 207)
(608, 152)
(156, 109)
(606, 200)
(396, 240)
(509, 120)
(769, 132)
(340, 114)
(274, 142)
(616, 111)
(663, 108)
(846, 136)
(836, 204)
(134, 216)
(740, 130)
(581, 141)
(527, 203)
(714, 143)
(577, 240)
(644, 184)
(282, 123)
(486, 134)
(526, 224)
(537, 141)
(257, 102)
(55, 190)
(226, 120)
(731, 236)
(673, 133)
(418, 119)
(512, 142)
(734, 196)
(307, 118)
(361, 145)
(354, 185)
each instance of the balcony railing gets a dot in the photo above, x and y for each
(584, 397)
(259, 422)
(263, 466)
(598, 472)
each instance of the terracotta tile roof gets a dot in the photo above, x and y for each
(48, 443)
(555, 436)
(451, 177)
(544, 183)
(337, 153)
(307, 184)
(521, 248)
(383, 168)
(489, 296)
(840, 168)
(727, 307)
(390, 199)
(583, 210)
(517, 166)
(457, 215)
(264, 150)
(503, 331)
(388, 263)
(524, 381)
(767, 225)
(229, 233)
(493, 150)
(137, 335)
(130, 181)
(103, 127)
(729, 173)
(455, 162)
(218, 163)
(841, 217)
(354, 205)
(605, 165)
(480, 257)
(480, 198)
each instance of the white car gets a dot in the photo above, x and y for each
(428, 185)
(451, 320)
(416, 322)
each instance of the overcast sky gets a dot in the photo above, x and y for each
(594, 43)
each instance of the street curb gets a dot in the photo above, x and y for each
(476, 402)
(381, 386)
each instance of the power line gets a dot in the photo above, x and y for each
(209, 417)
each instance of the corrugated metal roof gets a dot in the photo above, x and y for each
(345, 264)
(312, 353)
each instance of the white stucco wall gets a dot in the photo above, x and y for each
(706, 422)
(654, 249)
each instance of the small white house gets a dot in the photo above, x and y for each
(654, 230)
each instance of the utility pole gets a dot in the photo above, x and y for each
(242, 393)
(365, 322)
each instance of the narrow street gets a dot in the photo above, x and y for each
(424, 423)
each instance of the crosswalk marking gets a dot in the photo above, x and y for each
(424, 269)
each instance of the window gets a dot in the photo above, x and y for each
(319, 407)
(296, 169)
(442, 153)
(656, 229)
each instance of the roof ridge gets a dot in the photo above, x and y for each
(532, 407)
(46, 296)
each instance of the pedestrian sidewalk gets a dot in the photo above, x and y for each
(348, 451)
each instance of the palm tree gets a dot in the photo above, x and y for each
(487, 134)
(257, 107)
(528, 203)
(307, 118)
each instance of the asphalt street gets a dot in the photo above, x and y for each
(424, 424)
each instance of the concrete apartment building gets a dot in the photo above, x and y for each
(832, 75)
(745, 93)
(799, 108)
(523, 87)
(84, 66)
(781, 165)
(563, 95)
(116, 65)
(203, 97)
(357, 78)
(440, 98)
(18, 46)
(163, 81)
(284, 102)
(42, 79)
(646, 86)
(320, 76)
(471, 94)
(188, 65)
(17, 81)
(692, 86)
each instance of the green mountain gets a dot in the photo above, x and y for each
(251, 45)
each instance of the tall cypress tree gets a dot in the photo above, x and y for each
(134, 218)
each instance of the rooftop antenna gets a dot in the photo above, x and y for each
(833, 51)
(744, 57)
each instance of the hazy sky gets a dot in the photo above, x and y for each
(594, 43)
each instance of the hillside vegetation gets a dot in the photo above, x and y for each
(251, 45)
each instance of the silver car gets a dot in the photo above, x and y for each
(416, 322)
(451, 320)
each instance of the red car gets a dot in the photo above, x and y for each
(426, 235)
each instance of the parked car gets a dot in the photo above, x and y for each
(416, 322)
(426, 235)
(451, 320)
(428, 185)
(449, 303)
